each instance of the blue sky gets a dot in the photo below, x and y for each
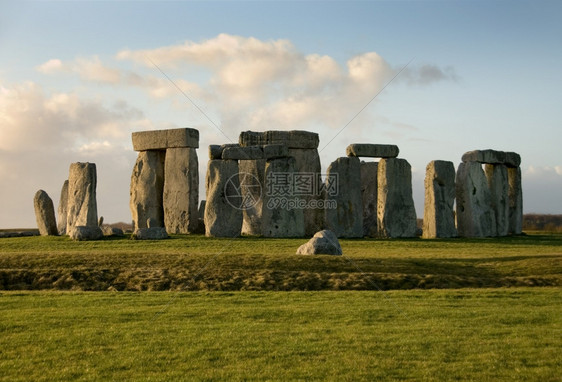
(75, 82)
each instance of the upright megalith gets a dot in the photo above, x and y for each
(165, 179)
(515, 197)
(475, 216)
(147, 188)
(252, 188)
(369, 196)
(181, 190)
(346, 219)
(439, 214)
(396, 214)
(63, 208)
(45, 214)
(223, 212)
(499, 196)
(281, 214)
(82, 204)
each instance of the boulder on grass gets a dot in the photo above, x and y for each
(82, 232)
(322, 243)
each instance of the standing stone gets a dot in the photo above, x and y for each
(181, 190)
(346, 220)
(515, 195)
(498, 184)
(475, 217)
(45, 214)
(369, 196)
(396, 214)
(147, 186)
(63, 208)
(439, 215)
(223, 215)
(82, 205)
(252, 183)
(280, 217)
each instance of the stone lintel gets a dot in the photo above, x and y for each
(372, 150)
(165, 139)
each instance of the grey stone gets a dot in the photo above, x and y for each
(81, 232)
(82, 204)
(498, 184)
(275, 151)
(151, 233)
(252, 183)
(346, 220)
(201, 211)
(396, 214)
(439, 214)
(181, 190)
(280, 218)
(147, 188)
(295, 139)
(509, 158)
(215, 151)
(475, 217)
(515, 195)
(322, 243)
(100, 221)
(111, 231)
(243, 153)
(165, 139)
(63, 209)
(372, 150)
(45, 214)
(369, 196)
(223, 213)
(308, 184)
(512, 159)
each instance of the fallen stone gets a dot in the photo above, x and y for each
(81, 232)
(243, 153)
(475, 217)
(275, 151)
(147, 188)
(223, 212)
(111, 231)
(281, 217)
(181, 191)
(252, 182)
(396, 214)
(372, 150)
(82, 204)
(498, 184)
(439, 214)
(322, 243)
(165, 139)
(151, 233)
(515, 197)
(369, 196)
(63, 209)
(45, 214)
(295, 139)
(346, 220)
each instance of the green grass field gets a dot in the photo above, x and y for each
(249, 309)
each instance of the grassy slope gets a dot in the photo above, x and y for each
(503, 334)
(200, 263)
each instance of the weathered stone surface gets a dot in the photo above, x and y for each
(396, 215)
(45, 214)
(295, 139)
(82, 205)
(181, 190)
(322, 243)
(280, 217)
(63, 209)
(512, 159)
(151, 233)
(81, 232)
(515, 197)
(215, 151)
(252, 183)
(223, 213)
(275, 151)
(147, 188)
(439, 215)
(372, 150)
(484, 156)
(201, 211)
(498, 184)
(243, 153)
(475, 217)
(308, 182)
(165, 139)
(111, 231)
(346, 220)
(369, 196)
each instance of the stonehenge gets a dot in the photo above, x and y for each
(439, 215)
(82, 209)
(45, 214)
